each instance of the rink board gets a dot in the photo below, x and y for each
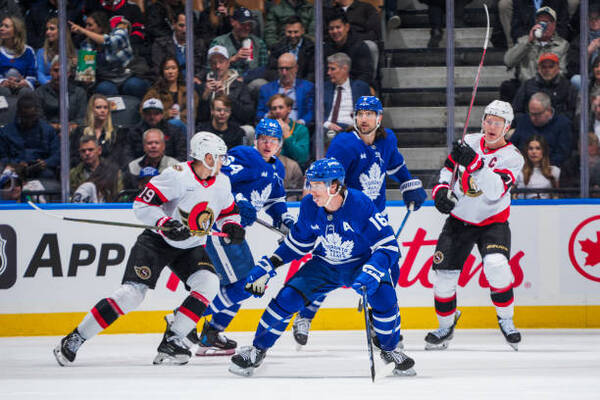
(53, 271)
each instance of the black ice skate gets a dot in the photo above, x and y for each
(172, 350)
(213, 342)
(66, 350)
(511, 334)
(191, 338)
(300, 329)
(403, 363)
(246, 360)
(439, 339)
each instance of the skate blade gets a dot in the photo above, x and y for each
(213, 352)
(237, 370)
(60, 359)
(440, 346)
(166, 359)
(382, 369)
(406, 372)
(300, 347)
(515, 346)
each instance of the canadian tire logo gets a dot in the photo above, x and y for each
(8, 257)
(584, 248)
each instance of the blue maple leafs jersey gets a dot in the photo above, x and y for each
(259, 181)
(353, 235)
(367, 166)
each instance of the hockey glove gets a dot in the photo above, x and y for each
(247, 210)
(256, 281)
(369, 277)
(287, 221)
(236, 233)
(463, 154)
(412, 192)
(177, 231)
(443, 202)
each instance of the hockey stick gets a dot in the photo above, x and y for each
(113, 223)
(368, 332)
(270, 227)
(485, 45)
(411, 207)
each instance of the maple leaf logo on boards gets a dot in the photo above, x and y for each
(371, 181)
(592, 249)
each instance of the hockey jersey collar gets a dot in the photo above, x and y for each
(485, 150)
(204, 182)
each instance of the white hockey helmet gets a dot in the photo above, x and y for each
(204, 143)
(500, 109)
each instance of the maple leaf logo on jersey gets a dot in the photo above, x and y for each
(258, 200)
(371, 181)
(592, 249)
(335, 248)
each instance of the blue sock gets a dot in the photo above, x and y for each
(310, 310)
(222, 319)
(227, 297)
(276, 317)
(386, 316)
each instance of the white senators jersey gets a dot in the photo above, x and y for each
(197, 203)
(484, 195)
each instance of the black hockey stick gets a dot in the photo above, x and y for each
(270, 227)
(368, 332)
(113, 223)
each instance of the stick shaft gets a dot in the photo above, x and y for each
(269, 226)
(403, 223)
(368, 333)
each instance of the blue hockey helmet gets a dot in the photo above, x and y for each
(269, 127)
(368, 103)
(326, 170)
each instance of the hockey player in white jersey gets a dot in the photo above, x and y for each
(352, 245)
(189, 198)
(479, 206)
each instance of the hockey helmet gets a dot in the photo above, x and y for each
(204, 143)
(500, 109)
(326, 170)
(368, 103)
(269, 127)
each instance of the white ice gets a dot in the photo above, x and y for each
(550, 364)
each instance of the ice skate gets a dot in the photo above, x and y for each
(191, 339)
(403, 363)
(511, 334)
(300, 329)
(213, 342)
(172, 350)
(246, 360)
(66, 350)
(439, 339)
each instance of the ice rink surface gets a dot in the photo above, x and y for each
(550, 364)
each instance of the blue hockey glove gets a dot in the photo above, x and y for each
(369, 277)
(412, 192)
(463, 154)
(287, 221)
(247, 210)
(256, 281)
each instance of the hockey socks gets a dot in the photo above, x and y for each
(444, 294)
(504, 300)
(222, 319)
(276, 317)
(227, 298)
(310, 310)
(189, 313)
(104, 313)
(385, 317)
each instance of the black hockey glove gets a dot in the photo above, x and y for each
(177, 230)
(235, 232)
(442, 202)
(463, 154)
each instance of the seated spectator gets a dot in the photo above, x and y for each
(363, 18)
(103, 186)
(340, 94)
(89, 154)
(222, 79)
(542, 120)
(220, 124)
(593, 48)
(343, 40)
(11, 187)
(297, 43)
(436, 12)
(174, 46)
(295, 135)
(301, 92)
(98, 124)
(171, 91)
(570, 176)
(49, 95)
(46, 54)
(17, 60)
(548, 80)
(160, 16)
(153, 117)
(38, 13)
(215, 20)
(152, 163)
(595, 112)
(524, 16)
(31, 144)
(595, 79)
(524, 55)
(114, 54)
(248, 57)
(537, 172)
(278, 15)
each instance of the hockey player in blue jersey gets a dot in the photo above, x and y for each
(352, 245)
(256, 176)
(368, 153)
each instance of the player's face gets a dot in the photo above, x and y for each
(534, 152)
(210, 161)
(267, 146)
(319, 192)
(493, 128)
(366, 121)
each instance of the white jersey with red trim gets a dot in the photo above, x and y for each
(484, 195)
(178, 193)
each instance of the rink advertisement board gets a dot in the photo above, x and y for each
(53, 271)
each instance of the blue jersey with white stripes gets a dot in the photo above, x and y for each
(257, 180)
(367, 166)
(354, 235)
